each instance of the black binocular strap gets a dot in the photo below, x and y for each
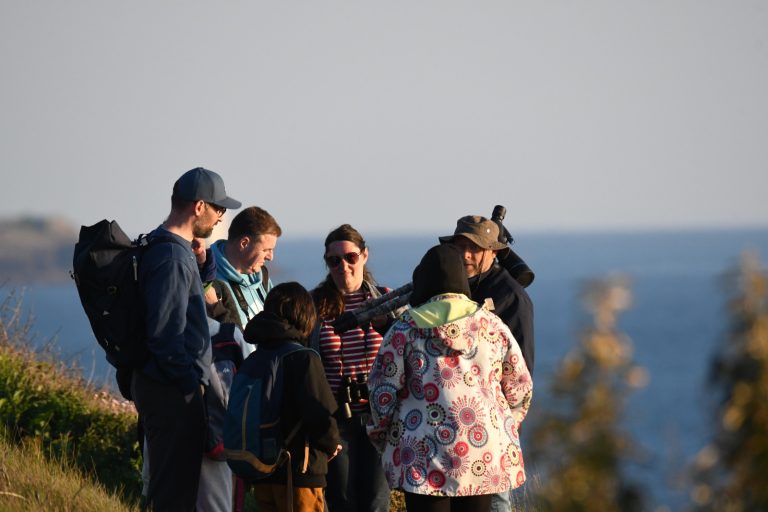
(261, 292)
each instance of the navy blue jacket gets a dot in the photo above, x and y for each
(176, 320)
(511, 303)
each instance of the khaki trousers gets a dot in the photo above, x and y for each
(272, 498)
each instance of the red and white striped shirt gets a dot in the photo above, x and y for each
(351, 354)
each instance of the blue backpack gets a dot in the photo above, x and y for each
(253, 443)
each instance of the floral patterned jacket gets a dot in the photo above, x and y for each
(448, 391)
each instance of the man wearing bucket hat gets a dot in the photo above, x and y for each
(168, 388)
(477, 238)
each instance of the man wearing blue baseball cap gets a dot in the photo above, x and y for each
(168, 389)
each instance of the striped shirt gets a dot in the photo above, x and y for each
(353, 352)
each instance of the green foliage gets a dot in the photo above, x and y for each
(33, 479)
(732, 472)
(578, 444)
(42, 400)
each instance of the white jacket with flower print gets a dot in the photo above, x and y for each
(448, 391)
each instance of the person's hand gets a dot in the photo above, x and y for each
(198, 249)
(379, 323)
(334, 454)
(210, 296)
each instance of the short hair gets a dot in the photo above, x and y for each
(253, 221)
(292, 302)
(178, 204)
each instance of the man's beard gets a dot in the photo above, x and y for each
(200, 231)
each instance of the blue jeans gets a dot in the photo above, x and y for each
(513, 499)
(356, 481)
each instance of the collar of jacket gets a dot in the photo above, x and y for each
(371, 289)
(475, 281)
(443, 309)
(270, 328)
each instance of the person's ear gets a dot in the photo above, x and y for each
(199, 207)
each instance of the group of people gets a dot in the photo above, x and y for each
(427, 399)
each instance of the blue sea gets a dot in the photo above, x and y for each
(677, 320)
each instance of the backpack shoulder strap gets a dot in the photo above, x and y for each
(239, 296)
(265, 277)
(314, 337)
(145, 239)
(261, 291)
(286, 350)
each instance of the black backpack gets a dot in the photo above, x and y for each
(106, 271)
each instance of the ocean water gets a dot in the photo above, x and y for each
(677, 320)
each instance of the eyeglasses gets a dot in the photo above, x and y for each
(334, 261)
(220, 210)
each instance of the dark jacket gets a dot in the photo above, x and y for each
(511, 303)
(176, 321)
(306, 397)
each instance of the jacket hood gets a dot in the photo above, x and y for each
(441, 270)
(225, 269)
(269, 328)
(447, 316)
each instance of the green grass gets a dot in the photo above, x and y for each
(51, 406)
(32, 479)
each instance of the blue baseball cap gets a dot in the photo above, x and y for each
(201, 184)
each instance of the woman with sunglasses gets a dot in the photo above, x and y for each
(356, 481)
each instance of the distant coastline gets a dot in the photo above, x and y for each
(38, 250)
(35, 250)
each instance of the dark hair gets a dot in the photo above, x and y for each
(291, 302)
(178, 204)
(253, 221)
(328, 298)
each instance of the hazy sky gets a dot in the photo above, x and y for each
(397, 117)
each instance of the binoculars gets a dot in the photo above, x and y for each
(353, 390)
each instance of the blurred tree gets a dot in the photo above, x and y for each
(731, 473)
(578, 445)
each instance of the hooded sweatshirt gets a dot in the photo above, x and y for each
(449, 390)
(306, 397)
(251, 285)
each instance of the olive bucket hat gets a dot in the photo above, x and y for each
(480, 230)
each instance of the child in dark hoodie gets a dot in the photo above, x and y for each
(289, 316)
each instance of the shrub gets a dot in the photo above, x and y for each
(731, 473)
(578, 444)
(43, 400)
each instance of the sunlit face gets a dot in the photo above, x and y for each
(253, 252)
(347, 276)
(207, 218)
(476, 259)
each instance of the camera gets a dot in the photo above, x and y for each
(508, 258)
(353, 390)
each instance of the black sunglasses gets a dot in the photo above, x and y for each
(220, 210)
(334, 261)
